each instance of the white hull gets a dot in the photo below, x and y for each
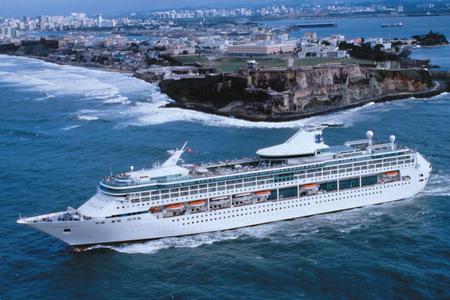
(148, 226)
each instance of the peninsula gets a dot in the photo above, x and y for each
(292, 93)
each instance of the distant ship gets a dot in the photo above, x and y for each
(400, 24)
(300, 177)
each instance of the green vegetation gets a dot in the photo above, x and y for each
(365, 51)
(232, 64)
(431, 39)
(191, 59)
(318, 61)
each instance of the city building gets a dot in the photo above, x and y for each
(262, 48)
(322, 51)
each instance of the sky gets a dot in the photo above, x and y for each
(17, 8)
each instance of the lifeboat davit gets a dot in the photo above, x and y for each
(263, 193)
(175, 206)
(197, 203)
(391, 173)
(310, 186)
(242, 195)
(220, 198)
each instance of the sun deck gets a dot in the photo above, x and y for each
(350, 151)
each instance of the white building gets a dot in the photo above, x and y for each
(263, 48)
(312, 51)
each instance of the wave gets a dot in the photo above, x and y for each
(87, 118)
(54, 79)
(438, 185)
(67, 128)
(46, 97)
(152, 113)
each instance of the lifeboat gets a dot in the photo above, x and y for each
(197, 203)
(175, 206)
(310, 187)
(263, 193)
(391, 173)
(154, 209)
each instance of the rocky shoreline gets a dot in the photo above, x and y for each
(285, 95)
(298, 116)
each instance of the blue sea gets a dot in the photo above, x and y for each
(61, 126)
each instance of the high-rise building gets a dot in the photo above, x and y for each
(99, 20)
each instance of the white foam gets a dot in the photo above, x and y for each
(55, 79)
(143, 114)
(67, 128)
(46, 97)
(87, 118)
(438, 185)
(193, 241)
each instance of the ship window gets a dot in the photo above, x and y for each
(329, 186)
(348, 183)
(67, 230)
(369, 180)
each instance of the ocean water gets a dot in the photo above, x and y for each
(61, 126)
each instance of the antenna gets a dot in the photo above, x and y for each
(369, 135)
(392, 140)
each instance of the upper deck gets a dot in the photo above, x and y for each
(187, 174)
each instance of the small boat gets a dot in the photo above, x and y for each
(391, 173)
(310, 186)
(263, 193)
(175, 206)
(197, 203)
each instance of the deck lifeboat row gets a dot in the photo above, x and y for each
(192, 204)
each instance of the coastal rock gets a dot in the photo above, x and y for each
(282, 94)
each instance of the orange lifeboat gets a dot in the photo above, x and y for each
(391, 173)
(310, 186)
(175, 206)
(263, 193)
(197, 203)
(154, 209)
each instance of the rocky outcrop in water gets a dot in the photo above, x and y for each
(283, 94)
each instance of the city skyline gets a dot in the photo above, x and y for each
(54, 7)
(21, 8)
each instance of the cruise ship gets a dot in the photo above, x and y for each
(300, 177)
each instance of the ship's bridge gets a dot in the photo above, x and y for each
(158, 173)
(306, 142)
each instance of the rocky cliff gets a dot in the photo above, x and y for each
(282, 94)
